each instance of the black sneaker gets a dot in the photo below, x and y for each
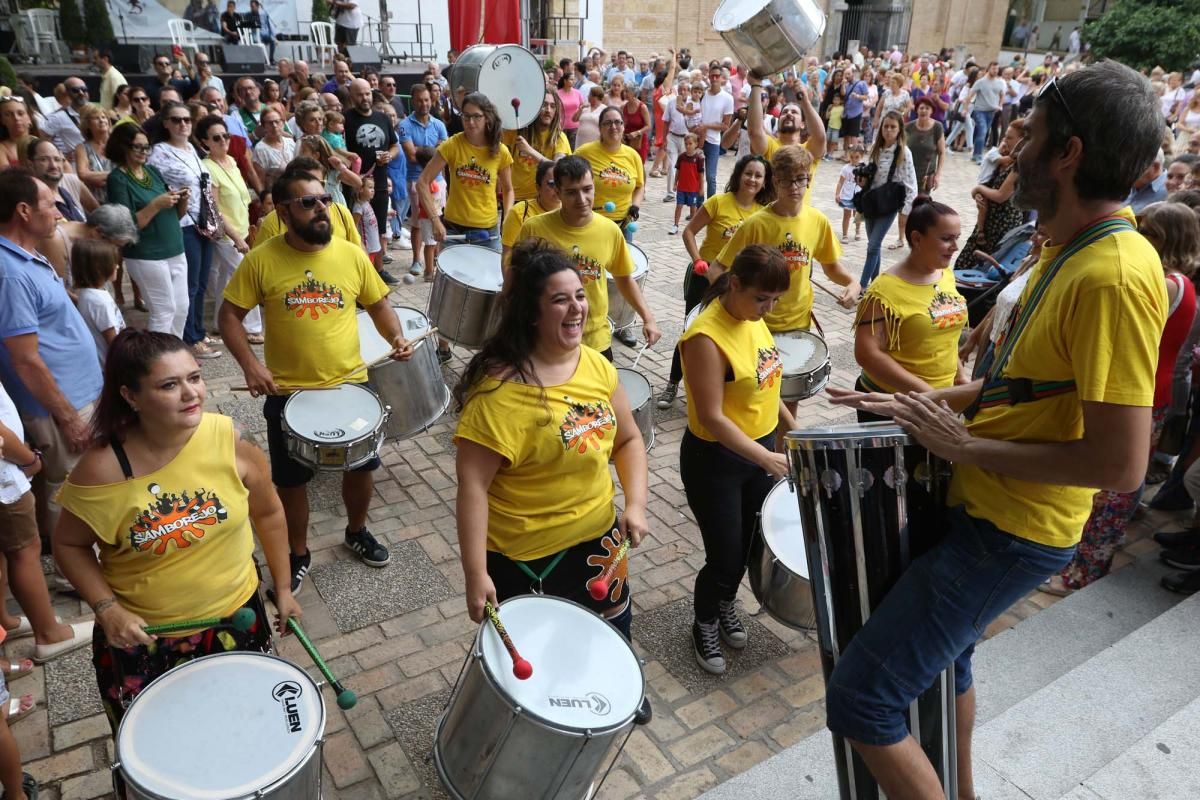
(732, 631)
(706, 641)
(1187, 539)
(388, 278)
(1181, 557)
(366, 547)
(644, 713)
(625, 337)
(667, 396)
(1182, 582)
(300, 566)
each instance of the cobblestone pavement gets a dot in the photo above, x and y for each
(398, 636)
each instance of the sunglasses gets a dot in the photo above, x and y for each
(180, 120)
(1052, 86)
(309, 201)
(140, 148)
(141, 99)
(218, 137)
(78, 90)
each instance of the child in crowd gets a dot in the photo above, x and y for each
(833, 127)
(847, 188)
(438, 190)
(94, 265)
(689, 183)
(994, 159)
(366, 222)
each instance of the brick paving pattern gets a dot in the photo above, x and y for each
(398, 636)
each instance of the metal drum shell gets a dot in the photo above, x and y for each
(782, 592)
(464, 314)
(774, 37)
(643, 414)
(619, 310)
(414, 390)
(471, 68)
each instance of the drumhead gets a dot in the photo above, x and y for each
(641, 263)
(344, 414)
(783, 528)
(472, 265)
(695, 312)
(732, 13)
(844, 437)
(222, 726)
(510, 71)
(802, 351)
(585, 676)
(636, 386)
(373, 346)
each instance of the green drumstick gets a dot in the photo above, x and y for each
(345, 698)
(242, 620)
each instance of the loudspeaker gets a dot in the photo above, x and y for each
(133, 58)
(243, 59)
(364, 57)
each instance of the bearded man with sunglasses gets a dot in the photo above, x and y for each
(308, 283)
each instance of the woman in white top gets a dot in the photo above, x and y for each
(182, 167)
(274, 150)
(588, 117)
(894, 99)
(889, 145)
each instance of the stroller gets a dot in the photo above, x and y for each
(980, 287)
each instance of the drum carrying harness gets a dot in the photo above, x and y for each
(1003, 391)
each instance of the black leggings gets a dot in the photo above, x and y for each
(726, 493)
(694, 287)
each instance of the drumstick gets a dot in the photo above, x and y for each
(379, 362)
(522, 669)
(346, 699)
(640, 353)
(242, 620)
(598, 588)
(827, 290)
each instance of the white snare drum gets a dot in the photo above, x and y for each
(503, 73)
(465, 302)
(769, 35)
(224, 727)
(334, 429)
(549, 736)
(414, 390)
(619, 310)
(637, 388)
(778, 561)
(805, 364)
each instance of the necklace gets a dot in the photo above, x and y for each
(143, 181)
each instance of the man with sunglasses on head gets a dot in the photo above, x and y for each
(62, 126)
(799, 124)
(1064, 409)
(308, 283)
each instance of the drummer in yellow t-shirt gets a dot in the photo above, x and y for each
(909, 321)
(540, 141)
(799, 124)
(595, 247)
(542, 416)
(308, 285)
(620, 175)
(523, 210)
(479, 166)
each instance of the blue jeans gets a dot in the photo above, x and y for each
(968, 125)
(400, 206)
(877, 228)
(930, 619)
(712, 152)
(199, 253)
(983, 124)
(628, 234)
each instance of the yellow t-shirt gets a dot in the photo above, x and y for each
(751, 399)
(522, 210)
(801, 239)
(341, 223)
(524, 168)
(596, 249)
(922, 322)
(474, 180)
(616, 177)
(725, 216)
(1099, 324)
(308, 308)
(176, 544)
(233, 198)
(773, 145)
(554, 489)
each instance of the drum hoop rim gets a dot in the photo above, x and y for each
(765, 535)
(476, 654)
(438, 271)
(384, 413)
(118, 763)
(863, 436)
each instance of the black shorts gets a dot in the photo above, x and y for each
(852, 126)
(287, 472)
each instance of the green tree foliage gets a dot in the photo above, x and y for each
(70, 23)
(99, 24)
(320, 11)
(8, 76)
(1147, 33)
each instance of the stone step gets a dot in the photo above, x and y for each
(1008, 668)
(1049, 743)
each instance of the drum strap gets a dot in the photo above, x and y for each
(1000, 391)
(122, 459)
(537, 578)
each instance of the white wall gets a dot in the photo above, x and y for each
(593, 25)
(433, 12)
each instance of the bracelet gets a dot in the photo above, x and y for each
(37, 456)
(104, 605)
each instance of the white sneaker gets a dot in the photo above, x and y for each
(674, 229)
(402, 241)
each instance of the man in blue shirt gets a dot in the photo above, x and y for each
(41, 363)
(1151, 187)
(418, 129)
(852, 117)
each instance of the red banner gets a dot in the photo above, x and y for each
(471, 24)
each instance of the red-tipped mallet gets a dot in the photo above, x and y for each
(522, 669)
(516, 104)
(598, 588)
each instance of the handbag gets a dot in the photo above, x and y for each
(885, 199)
(210, 225)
